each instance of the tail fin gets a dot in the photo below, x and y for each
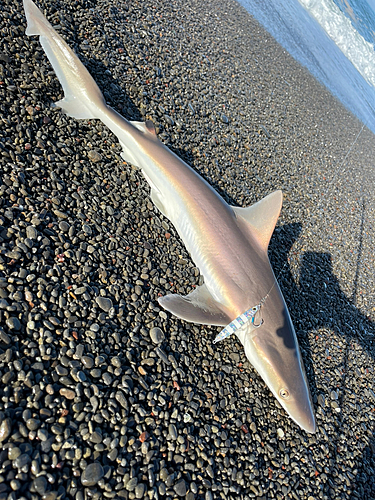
(34, 18)
(82, 96)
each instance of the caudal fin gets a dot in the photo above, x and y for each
(82, 97)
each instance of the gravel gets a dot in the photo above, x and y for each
(105, 395)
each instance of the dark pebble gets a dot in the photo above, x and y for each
(13, 323)
(104, 303)
(39, 485)
(157, 335)
(32, 424)
(64, 226)
(31, 232)
(5, 429)
(94, 156)
(180, 488)
(92, 474)
(22, 460)
(131, 484)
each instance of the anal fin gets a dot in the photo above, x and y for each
(128, 156)
(197, 307)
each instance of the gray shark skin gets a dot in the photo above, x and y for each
(228, 244)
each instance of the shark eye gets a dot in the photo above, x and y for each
(284, 393)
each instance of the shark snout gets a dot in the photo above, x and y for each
(308, 422)
(297, 403)
(273, 350)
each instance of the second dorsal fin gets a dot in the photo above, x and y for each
(146, 127)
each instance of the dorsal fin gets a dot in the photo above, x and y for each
(261, 217)
(146, 127)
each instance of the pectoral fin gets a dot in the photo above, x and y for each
(197, 307)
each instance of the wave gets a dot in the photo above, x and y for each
(340, 29)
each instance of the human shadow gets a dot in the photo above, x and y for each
(316, 301)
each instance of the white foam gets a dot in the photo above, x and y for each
(300, 33)
(340, 29)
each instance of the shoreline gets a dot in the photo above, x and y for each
(105, 394)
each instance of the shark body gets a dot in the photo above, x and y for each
(228, 244)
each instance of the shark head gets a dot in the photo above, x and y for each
(273, 350)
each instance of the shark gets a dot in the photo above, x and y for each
(228, 244)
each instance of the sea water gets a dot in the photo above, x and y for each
(333, 39)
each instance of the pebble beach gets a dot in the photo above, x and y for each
(103, 394)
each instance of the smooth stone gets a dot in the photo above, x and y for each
(50, 495)
(14, 453)
(321, 400)
(180, 488)
(94, 156)
(112, 455)
(42, 434)
(107, 378)
(92, 474)
(64, 226)
(32, 424)
(121, 399)
(22, 460)
(13, 254)
(4, 304)
(87, 362)
(15, 485)
(4, 337)
(131, 484)
(67, 393)
(13, 323)
(96, 437)
(172, 431)
(157, 335)
(39, 485)
(31, 232)
(280, 433)
(140, 490)
(5, 429)
(104, 303)
(60, 214)
(115, 361)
